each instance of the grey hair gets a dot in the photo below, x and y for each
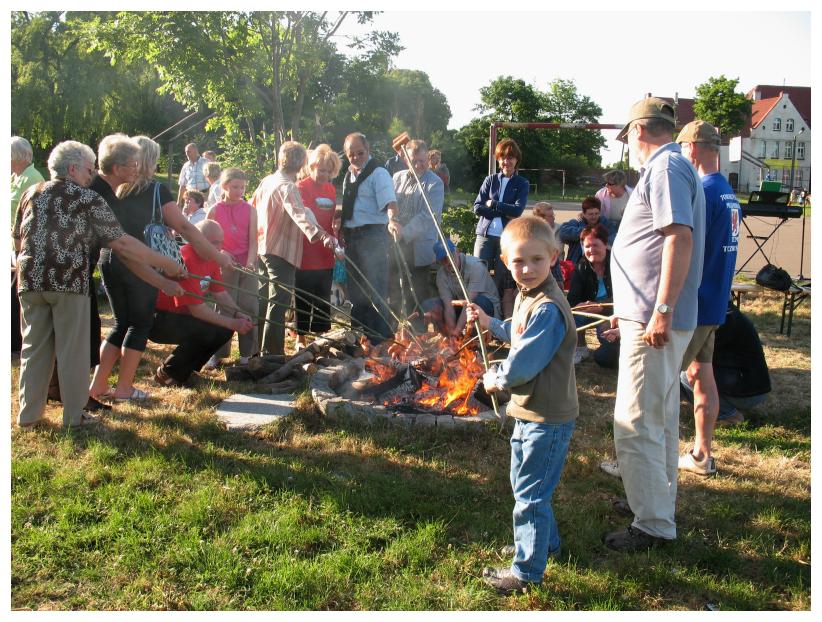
(615, 177)
(116, 149)
(292, 157)
(67, 153)
(212, 169)
(658, 127)
(147, 156)
(21, 150)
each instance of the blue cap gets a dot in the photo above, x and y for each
(439, 249)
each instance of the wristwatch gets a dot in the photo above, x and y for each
(664, 309)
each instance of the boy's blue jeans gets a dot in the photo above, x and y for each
(538, 453)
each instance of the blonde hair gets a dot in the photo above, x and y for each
(230, 174)
(528, 228)
(291, 157)
(542, 205)
(212, 170)
(146, 166)
(321, 155)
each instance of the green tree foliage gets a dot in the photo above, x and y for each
(513, 100)
(718, 103)
(266, 74)
(62, 89)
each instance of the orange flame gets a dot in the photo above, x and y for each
(456, 376)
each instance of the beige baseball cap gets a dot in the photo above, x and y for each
(698, 131)
(648, 108)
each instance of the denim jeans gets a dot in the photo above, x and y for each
(367, 248)
(538, 453)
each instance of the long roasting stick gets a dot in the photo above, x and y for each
(399, 143)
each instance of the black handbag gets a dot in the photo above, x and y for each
(158, 237)
(773, 277)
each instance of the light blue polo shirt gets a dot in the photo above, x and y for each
(669, 192)
(373, 196)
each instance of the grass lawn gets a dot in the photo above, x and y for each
(161, 508)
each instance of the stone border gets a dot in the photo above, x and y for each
(335, 407)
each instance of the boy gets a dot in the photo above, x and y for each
(539, 373)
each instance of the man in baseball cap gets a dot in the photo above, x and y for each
(699, 142)
(648, 108)
(656, 268)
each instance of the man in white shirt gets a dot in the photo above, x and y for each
(191, 174)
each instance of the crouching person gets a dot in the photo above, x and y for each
(197, 329)
(478, 283)
(539, 373)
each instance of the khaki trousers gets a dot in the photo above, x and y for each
(646, 426)
(243, 291)
(54, 324)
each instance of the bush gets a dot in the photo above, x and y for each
(460, 223)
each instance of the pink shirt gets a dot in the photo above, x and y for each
(234, 219)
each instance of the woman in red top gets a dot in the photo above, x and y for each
(316, 268)
(239, 222)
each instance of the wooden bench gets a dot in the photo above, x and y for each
(795, 296)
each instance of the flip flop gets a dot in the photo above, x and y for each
(136, 396)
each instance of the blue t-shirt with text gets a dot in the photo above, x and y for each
(722, 220)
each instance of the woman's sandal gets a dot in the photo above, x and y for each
(136, 396)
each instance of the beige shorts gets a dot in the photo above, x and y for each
(701, 347)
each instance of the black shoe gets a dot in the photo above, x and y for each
(93, 405)
(505, 582)
(164, 380)
(632, 539)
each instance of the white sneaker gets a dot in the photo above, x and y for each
(580, 354)
(611, 467)
(211, 363)
(706, 466)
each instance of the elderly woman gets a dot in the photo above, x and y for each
(419, 233)
(283, 223)
(132, 299)
(613, 196)
(590, 290)
(55, 226)
(23, 175)
(501, 197)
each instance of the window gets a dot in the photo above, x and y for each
(800, 151)
(774, 153)
(786, 176)
(760, 152)
(789, 125)
(788, 149)
(777, 124)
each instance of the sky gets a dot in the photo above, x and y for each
(603, 53)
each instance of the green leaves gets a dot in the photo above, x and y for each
(719, 104)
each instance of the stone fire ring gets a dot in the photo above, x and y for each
(334, 406)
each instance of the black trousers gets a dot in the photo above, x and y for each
(317, 282)
(132, 303)
(196, 342)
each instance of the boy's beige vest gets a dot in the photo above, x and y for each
(551, 396)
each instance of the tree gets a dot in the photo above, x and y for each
(62, 89)
(718, 103)
(258, 71)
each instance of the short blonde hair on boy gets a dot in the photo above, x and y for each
(528, 228)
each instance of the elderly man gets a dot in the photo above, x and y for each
(23, 175)
(196, 328)
(369, 216)
(419, 233)
(656, 268)
(54, 277)
(192, 176)
(614, 196)
(700, 144)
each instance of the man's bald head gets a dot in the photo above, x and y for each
(212, 231)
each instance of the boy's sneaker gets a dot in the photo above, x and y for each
(211, 363)
(706, 466)
(505, 582)
(580, 354)
(611, 467)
